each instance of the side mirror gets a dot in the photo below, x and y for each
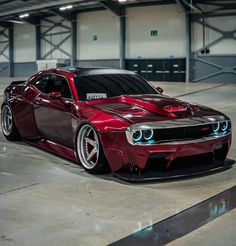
(55, 95)
(159, 89)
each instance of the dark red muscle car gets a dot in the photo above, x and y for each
(111, 119)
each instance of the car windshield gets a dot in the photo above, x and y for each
(110, 85)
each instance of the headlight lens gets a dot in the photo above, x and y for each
(143, 135)
(216, 126)
(224, 125)
(148, 134)
(221, 127)
(137, 135)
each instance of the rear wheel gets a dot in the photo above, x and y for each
(89, 150)
(8, 125)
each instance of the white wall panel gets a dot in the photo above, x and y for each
(105, 26)
(3, 45)
(170, 23)
(54, 36)
(24, 43)
(226, 46)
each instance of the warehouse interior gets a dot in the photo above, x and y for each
(186, 47)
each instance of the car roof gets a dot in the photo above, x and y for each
(86, 71)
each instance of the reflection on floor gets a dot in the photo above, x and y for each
(184, 222)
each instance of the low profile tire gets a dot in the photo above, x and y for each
(8, 125)
(90, 152)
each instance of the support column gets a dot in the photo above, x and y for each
(73, 39)
(11, 51)
(38, 41)
(122, 37)
(188, 45)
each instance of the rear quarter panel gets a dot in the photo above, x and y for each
(20, 98)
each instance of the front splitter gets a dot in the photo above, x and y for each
(214, 167)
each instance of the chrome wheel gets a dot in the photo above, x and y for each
(7, 120)
(88, 146)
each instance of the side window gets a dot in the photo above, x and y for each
(41, 84)
(53, 83)
(58, 83)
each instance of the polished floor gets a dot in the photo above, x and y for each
(46, 200)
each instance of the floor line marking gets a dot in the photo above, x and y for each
(197, 91)
(181, 224)
(20, 188)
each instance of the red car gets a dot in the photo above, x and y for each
(111, 119)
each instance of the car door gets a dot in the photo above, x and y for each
(52, 113)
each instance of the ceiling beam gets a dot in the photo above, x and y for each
(112, 6)
(42, 6)
(153, 3)
(33, 21)
(230, 6)
(192, 7)
(66, 15)
(18, 20)
(182, 5)
(212, 1)
(215, 14)
(14, 19)
(80, 11)
(206, 2)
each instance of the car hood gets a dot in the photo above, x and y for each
(143, 108)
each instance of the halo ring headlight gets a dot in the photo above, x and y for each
(216, 126)
(137, 135)
(148, 134)
(224, 125)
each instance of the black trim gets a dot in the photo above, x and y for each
(17, 82)
(87, 71)
(214, 167)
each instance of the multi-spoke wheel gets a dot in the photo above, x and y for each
(8, 124)
(90, 151)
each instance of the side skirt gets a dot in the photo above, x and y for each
(55, 148)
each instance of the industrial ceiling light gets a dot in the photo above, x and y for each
(66, 7)
(24, 15)
(121, 1)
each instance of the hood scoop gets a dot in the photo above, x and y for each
(173, 108)
(143, 105)
(161, 105)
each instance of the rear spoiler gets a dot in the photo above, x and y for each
(17, 82)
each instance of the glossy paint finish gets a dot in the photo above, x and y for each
(116, 145)
(53, 124)
(56, 126)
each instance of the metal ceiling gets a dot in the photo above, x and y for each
(40, 8)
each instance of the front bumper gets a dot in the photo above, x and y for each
(207, 168)
(132, 162)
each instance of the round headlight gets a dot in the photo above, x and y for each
(148, 134)
(216, 126)
(224, 125)
(137, 135)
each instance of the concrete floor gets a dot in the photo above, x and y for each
(46, 200)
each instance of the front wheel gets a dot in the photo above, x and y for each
(89, 150)
(8, 125)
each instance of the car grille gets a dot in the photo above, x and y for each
(182, 133)
(157, 134)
